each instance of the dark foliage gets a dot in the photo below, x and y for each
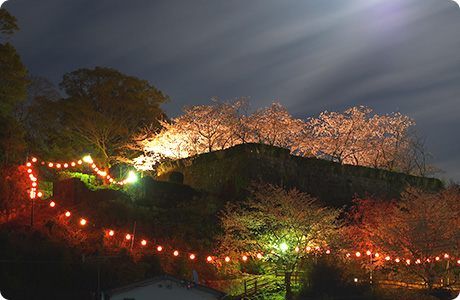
(176, 177)
(325, 279)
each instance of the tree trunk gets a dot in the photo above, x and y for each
(287, 282)
(430, 279)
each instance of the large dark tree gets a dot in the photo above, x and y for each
(7, 24)
(13, 83)
(40, 118)
(105, 109)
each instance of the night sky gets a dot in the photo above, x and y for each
(308, 55)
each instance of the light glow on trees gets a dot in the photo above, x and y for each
(353, 136)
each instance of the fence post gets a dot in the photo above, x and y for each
(245, 288)
(255, 286)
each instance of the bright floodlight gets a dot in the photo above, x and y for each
(88, 159)
(132, 177)
(284, 247)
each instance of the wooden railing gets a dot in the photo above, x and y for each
(295, 276)
(253, 285)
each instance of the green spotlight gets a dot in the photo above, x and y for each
(132, 177)
(88, 159)
(283, 247)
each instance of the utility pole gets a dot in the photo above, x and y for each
(98, 260)
(134, 232)
(167, 225)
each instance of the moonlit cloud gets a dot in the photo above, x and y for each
(309, 55)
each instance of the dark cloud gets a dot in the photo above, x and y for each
(309, 55)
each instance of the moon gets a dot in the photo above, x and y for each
(1, 2)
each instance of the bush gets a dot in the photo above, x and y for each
(176, 177)
(326, 280)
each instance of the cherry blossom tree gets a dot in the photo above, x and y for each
(215, 127)
(354, 136)
(357, 137)
(276, 127)
(421, 230)
(280, 224)
(211, 123)
(340, 136)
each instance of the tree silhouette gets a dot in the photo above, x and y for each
(105, 109)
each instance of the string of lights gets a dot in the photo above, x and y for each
(111, 233)
(33, 191)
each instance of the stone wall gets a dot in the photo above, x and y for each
(227, 174)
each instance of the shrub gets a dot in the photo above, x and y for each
(176, 177)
